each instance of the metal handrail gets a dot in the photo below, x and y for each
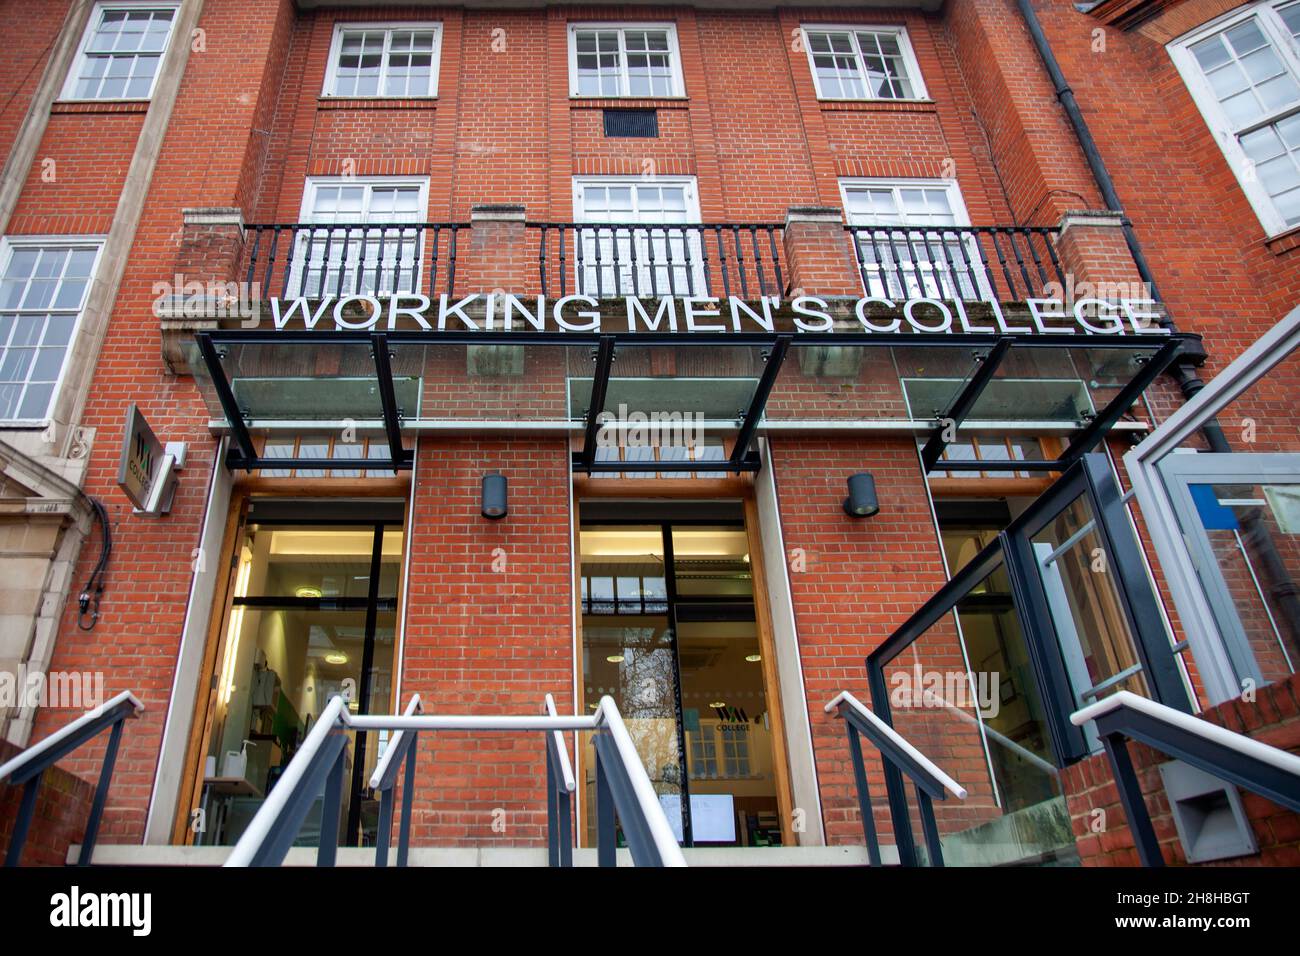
(972, 263)
(28, 768)
(623, 788)
(929, 781)
(560, 786)
(401, 748)
(1256, 766)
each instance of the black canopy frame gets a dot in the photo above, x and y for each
(988, 350)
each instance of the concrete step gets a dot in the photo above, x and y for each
(135, 855)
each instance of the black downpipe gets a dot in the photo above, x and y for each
(1284, 589)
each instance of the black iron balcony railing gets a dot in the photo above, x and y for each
(973, 263)
(314, 260)
(619, 259)
(603, 260)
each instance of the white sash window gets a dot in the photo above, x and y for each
(43, 288)
(1243, 71)
(629, 258)
(913, 249)
(354, 242)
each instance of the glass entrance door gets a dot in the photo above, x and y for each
(669, 631)
(312, 615)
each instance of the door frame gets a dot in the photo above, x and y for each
(1178, 474)
(191, 783)
(681, 490)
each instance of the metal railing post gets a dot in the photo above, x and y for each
(1130, 798)
(327, 843)
(928, 826)
(864, 796)
(552, 813)
(385, 825)
(605, 832)
(101, 795)
(408, 801)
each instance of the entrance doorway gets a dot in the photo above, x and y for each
(670, 630)
(311, 614)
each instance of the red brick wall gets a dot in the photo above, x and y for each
(62, 808)
(1217, 270)
(861, 579)
(138, 633)
(488, 631)
(1272, 718)
(30, 31)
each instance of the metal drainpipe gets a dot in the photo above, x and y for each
(1284, 589)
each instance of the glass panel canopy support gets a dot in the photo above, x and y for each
(244, 453)
(1083, 441)
(740, 454)
(964, 402)
(407, 378)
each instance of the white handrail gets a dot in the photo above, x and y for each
(924, 762)
(394, 744)
(1246, 746)
(258, 828)
(69, 730)
(336, 716)
(467, 722)
(608, 717)
(566, 768)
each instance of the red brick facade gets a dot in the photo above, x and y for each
(249, 126)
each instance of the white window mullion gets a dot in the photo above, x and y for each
(386, 31)
(1260, 134)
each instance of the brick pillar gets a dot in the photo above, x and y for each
(819, 253)
(206, 283)
(1094, 255)
(496, 256)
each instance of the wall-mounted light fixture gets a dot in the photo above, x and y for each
(861, 502)
(494, 495)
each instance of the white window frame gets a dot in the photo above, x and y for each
(692, 239)
(336, 48)
(68, 94)
(674, 50)
(306, 216)
(10, 244)
(955, 202)
(919, 93)
(1223, 131)
(1208, 643)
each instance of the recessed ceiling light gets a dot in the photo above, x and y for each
(308, 591)
(615, 658)
(718, 703)
(336, 657)
(753, 658)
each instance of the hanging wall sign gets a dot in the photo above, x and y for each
(141, 454)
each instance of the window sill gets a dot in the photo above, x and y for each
(879, 106)
(99, 106)
(629, 102)
(1284, 242)
(377, 103)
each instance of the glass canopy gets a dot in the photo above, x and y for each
(722, 383)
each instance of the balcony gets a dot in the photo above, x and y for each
(1005, 264)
